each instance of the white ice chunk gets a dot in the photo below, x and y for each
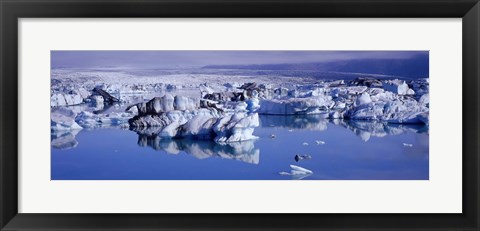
(62, 119)
(364, 99)
(297, 170)
(253, 105)
(90, 120)
(293, 106)
(424, 99)
(185, 103)
(97, 100)
(396, 86)
(57, 100)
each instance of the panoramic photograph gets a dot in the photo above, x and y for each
(239, 115)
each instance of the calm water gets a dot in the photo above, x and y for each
(352, 151)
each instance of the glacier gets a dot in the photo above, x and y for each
(226, 109)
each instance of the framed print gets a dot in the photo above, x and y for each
(239, 115)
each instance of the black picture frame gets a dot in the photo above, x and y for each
(12, 10)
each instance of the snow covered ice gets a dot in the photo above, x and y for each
(226, 110)
(201, 124)
(63, 119)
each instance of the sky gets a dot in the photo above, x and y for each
(159, 59)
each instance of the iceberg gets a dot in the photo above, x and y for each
(300, 170)
(59, 99)
(297, 171)
(165, 103)
(302, 157)
(296, 106)
(226, 112)
(399, 87)
(398, 110)
(363, 99)
(63, 119)
(209, 122)
(90, 120)
(73, 97)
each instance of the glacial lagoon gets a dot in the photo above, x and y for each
(239, 115)
(339, 150)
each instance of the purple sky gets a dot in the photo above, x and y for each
(158, 59)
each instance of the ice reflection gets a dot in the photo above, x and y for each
(367, 129)
(242, 151)
(64, 139)
(246, 151)
(310, 122)
(363, 129)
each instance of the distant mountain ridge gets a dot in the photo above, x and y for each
(417, 67)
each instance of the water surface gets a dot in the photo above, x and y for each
(351, 151)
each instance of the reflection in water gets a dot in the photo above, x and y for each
(243, 151)
(64, 139)
(246, 151)
(367, 129)
(67, 139)
(340, 153)
(300, 177)
(310, 122)
(363, 129)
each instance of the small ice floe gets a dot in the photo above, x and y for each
(302, 157)
(272, 136)
(297, 171)
(305, 144)
(290, 130)
(318, 142)
(407, 145)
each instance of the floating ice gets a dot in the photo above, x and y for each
(90, 120)
(396, 86)
(302, 157)
(300, 169)
(364, 99)
(390, 101)
(97, 100)
(68, 98)
(62, 119)
(297, 170)
(295, 106)
(210, 123)
(253, 105)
